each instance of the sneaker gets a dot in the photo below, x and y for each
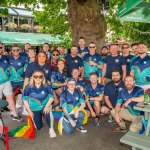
(5, 109)
(82, 129)
(110, 120)
(52, 133)
(119, 129)
(96, 121)
(17, 118)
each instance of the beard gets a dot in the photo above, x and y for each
(104, 54)
(129, 86)
(116, 80)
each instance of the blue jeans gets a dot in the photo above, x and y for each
(67, 125)
(38, 119)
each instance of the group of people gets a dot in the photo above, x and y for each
(111, 82)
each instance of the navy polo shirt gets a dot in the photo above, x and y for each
(112, 91)
(37, 97)
(24, 54)
(83, 50)
(46, 69)
(17, 67)
(113, 63)
(73, 62)
(90, 92)
(69, 100)
(124, 95)
(4, 69)
(57, 77)
(141, 68)
(128, 60)
(80, 82)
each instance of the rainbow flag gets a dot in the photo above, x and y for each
(25, 131)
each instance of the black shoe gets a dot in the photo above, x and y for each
(5, 109)
(17, 118)
(81, 129)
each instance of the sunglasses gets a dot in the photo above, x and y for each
(55, 54)
(92, 47)
(15, 50)
(36, 76)
(1, 47)
(125, 47)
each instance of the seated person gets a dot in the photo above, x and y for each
(127, 99)
(58, 80)
(111, 92)
(94, 93)
(69, 99)
(37, 98)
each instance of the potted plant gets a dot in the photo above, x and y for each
(25, 27)
(11, 26)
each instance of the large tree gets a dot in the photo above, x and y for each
(75, 18)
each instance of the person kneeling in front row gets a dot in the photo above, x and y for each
(37, 98)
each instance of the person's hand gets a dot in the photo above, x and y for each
(46, 110)
(92, 63)
(72, 123)
(118, 118)
(31, 114)
(76, 114)
(127, 102)
(83, 53)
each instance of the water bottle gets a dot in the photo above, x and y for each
(146, 97)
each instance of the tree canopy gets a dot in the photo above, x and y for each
(54, 20)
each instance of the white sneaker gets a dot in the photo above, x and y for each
(52, 133)
(18, 106)
(82, 129)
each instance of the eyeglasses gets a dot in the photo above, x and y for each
(92, 46)
(125, 47)
(36, 76)
(55, 54)
(15, 50)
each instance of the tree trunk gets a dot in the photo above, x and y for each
(86, 21)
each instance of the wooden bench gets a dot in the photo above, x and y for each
(137, 141)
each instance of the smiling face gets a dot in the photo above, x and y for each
(46, 47)
(74, 51)
(125, 49)
(61, 65)
(15, 51)
(38, 77)
(75, 73)
(129, 82)
(142, 48)
(41, 58)
(71, 85)
(113, 49)
(81, 42)
(93, 79)
(55, 55)
(92, 48)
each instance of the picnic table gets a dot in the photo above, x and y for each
(146, 110)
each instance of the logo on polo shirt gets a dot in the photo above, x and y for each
(5, 61)
(116, 60)
(42, 92)
(77, 98)
(119, 89)
(94, 59)
(19, 64)
(76, 61)
(46, 71)
(128, 60)
(145, 62)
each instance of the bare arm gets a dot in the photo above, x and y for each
(103, 73)
(107, 100)
(26, 80)
(97, 98)
(124, 72)
(132, 73)
(82, 72)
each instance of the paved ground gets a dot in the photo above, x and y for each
(97, 138)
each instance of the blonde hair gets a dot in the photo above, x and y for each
(32, 82)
